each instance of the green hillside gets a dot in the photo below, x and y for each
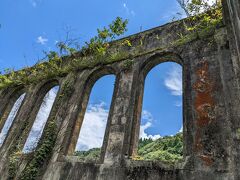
(168, 149)
(90, 155)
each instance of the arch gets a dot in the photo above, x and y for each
(10, 111)
(45, 86)
(88, 87)
(157, 59)
(98, 74)
(145, 67)
(48, 94)
(8, 97)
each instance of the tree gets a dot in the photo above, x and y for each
(194, 7)
(183, 5)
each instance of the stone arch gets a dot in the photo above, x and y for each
(9, 96)
(145, 67)
(92, 78)
(40, 91)
(45, 86)
(7, 108)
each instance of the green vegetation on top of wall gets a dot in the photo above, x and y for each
(204, 17)
(58, 65)
(95, 51)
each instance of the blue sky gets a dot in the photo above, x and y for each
(162, 100)
(30, 26)
(25, 23)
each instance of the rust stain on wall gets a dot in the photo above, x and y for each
(208, 161)
(204, 106)
(204, 103)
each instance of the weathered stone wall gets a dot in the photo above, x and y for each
(232, 17)
(232, 21)
(211, 129)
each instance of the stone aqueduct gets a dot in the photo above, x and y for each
(211, 100)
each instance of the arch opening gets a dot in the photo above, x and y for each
(40, 121)
(10, 118)
(92, 128)
(159, 135)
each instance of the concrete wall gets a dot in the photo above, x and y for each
(232, 20)
(210, 123)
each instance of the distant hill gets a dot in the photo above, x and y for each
(90, 155)
(168, 149)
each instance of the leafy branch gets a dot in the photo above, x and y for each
(54, 60)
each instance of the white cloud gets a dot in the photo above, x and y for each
(42, 40)
(180, 130)
(93, 127)
(11, 118)
(174, 81)
(40, 121)
(147, 116)
(128, 11)
(144, 135)
(35, 3)
(178, 103)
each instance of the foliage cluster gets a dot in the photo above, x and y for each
(99, 43)
(168, 149)
(15, 153)
(211, 17)
(41, 154)
(90, 155)
(36, 159)
(204, 17)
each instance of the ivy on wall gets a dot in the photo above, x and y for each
(35, 161)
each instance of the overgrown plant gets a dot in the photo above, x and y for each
(95, 51)
(55, 65)
(42, 153)
(99, 43)
(204, 14)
